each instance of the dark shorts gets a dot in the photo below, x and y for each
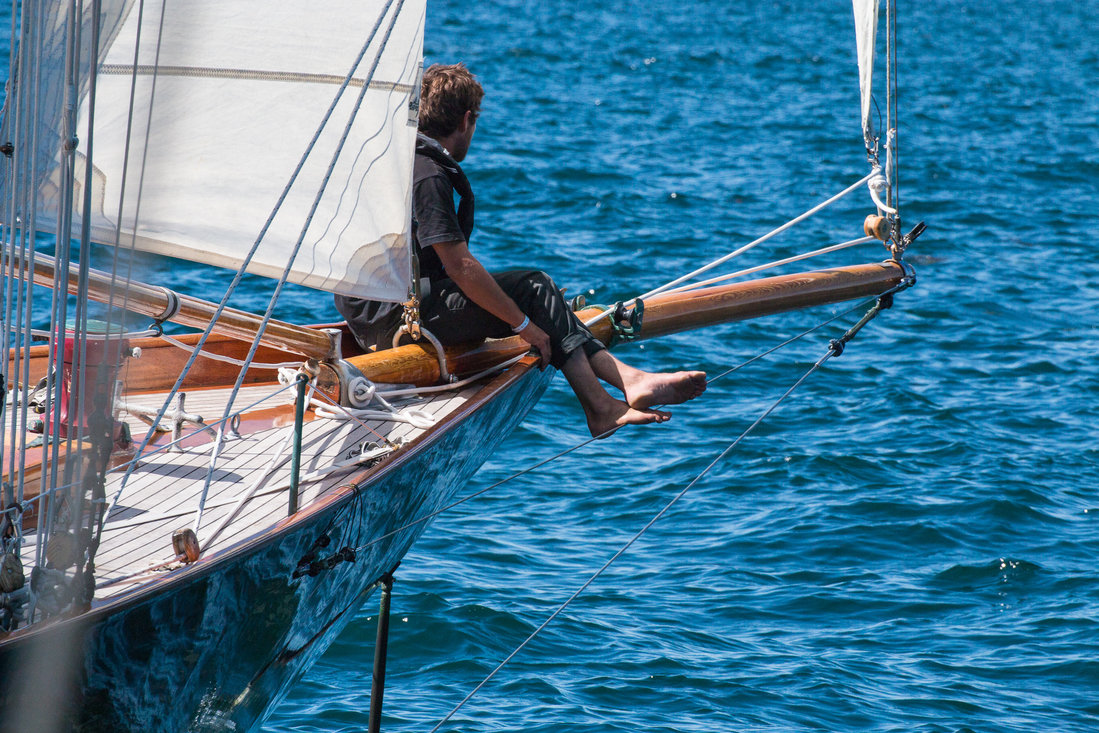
(455, 319)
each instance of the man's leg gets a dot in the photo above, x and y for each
(644, 389)
(604, 413)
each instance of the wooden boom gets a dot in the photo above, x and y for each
(167, 305)
(664, 314)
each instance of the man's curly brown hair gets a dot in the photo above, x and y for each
(447, 93)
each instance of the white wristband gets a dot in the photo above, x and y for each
(523, 325)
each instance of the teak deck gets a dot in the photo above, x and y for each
(249, 488)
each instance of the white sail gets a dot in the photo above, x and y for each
(866, 33)
(227, 98)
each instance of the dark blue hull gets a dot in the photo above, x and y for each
(214, 646)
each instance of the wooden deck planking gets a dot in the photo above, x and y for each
(166, 487)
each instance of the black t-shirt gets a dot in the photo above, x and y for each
(435, 218)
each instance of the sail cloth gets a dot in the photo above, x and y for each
(866, 34)
(227, 97)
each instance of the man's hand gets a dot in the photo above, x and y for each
(480, 287)
(538, 339)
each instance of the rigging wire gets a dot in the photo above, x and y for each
(835, 348)
(144, 149)
(776, 263)
(8, 235)
(737, 252)
(140, 456)
(51, 449)
(96, 432)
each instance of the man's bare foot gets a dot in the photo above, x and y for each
(664, 388)
(617, 413)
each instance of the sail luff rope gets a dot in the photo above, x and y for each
(776, 263)
(891, 91)
(238, 276)
(888, 105)
(833, 350)
(333, 160)
(737, 252)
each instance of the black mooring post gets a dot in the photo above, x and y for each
(380, 650)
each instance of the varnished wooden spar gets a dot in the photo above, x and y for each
(674, 312)
(160, 303)
(664, 314)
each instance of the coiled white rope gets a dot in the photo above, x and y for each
(362, 392)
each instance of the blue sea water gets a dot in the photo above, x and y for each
(907, 544)
(910, 542)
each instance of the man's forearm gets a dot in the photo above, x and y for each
(480, 287)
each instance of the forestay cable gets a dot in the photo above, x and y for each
(835, 348)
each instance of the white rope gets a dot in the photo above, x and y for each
(454, 385)
(737, 252)
(46, 335)
(227, 359)
(414, 416)
(362, 392)
(879, 185)
(776, 263)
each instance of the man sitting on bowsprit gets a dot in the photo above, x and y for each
(462, 301)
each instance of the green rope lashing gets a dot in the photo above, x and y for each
(626, 326)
